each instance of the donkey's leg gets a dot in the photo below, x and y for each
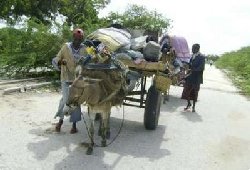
(104, 132)
(108, 127)
(91, 136)
(100, 125)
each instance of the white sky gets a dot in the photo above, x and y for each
(218, 25)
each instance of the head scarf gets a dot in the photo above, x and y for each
(78, 33)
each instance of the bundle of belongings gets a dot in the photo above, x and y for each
(180, 46)
(113, 38)
(135, 52)
(120, 41)
(175, 51)
(151, 51)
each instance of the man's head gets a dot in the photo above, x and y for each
(195, 48)
(78, 36)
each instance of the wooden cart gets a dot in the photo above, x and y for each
(149, 98)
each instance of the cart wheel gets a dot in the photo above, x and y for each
(152, 108)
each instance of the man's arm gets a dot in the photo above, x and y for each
(58, 60)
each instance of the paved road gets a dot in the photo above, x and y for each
(216, 137)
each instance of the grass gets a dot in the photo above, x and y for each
(238, 65)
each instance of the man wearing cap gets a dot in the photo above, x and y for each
(66, 61)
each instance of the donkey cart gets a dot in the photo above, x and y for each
(148, 97)
(100, 88)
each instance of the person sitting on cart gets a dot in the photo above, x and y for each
(165, 44)
(168, 54)
(150, 38)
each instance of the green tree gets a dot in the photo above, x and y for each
(34, 45)
(29, 48)
(76, 11)
(138, 17)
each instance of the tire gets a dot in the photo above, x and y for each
(152, 108)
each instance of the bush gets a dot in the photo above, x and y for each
(29, 48)
(238, 63)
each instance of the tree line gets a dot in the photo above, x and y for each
(33, 44)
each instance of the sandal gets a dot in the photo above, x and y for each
(188, 106)
(73, 130)
(58, 126)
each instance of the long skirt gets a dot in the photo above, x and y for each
(190, 91)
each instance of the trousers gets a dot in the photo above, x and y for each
(75, 116)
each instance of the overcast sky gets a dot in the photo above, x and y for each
(218, 25)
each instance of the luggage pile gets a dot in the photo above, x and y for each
(120, 42)
(134, 52)
(142, 54)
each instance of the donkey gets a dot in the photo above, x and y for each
(99, 98)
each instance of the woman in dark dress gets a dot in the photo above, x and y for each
(194, 78)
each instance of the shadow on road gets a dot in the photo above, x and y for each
(173, 103)
(192, 116)
(133, 141)
(176, 102)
